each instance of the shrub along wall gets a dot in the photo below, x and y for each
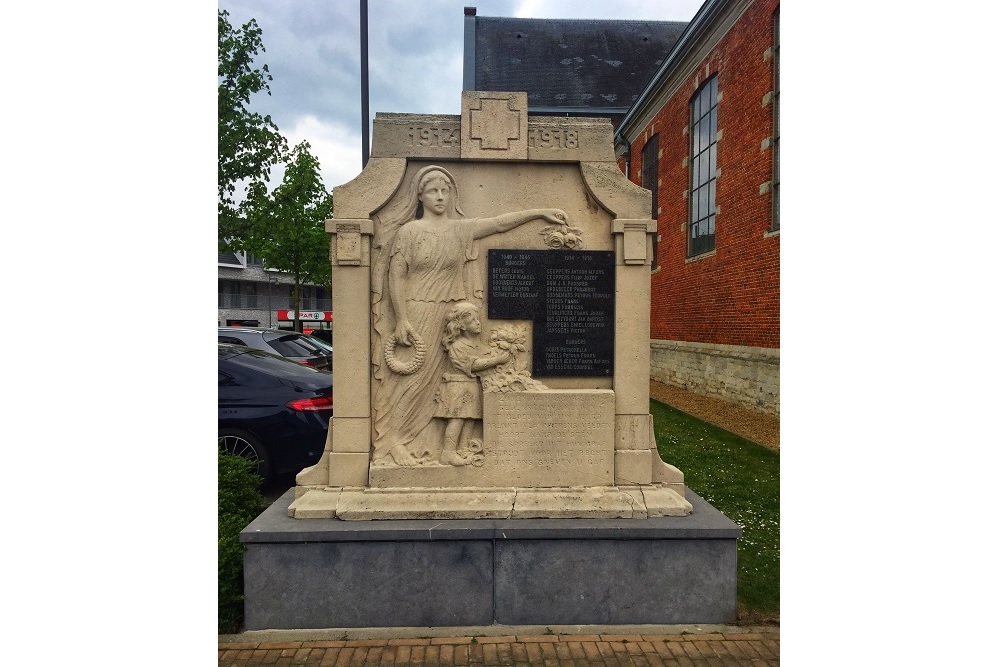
(240, 502)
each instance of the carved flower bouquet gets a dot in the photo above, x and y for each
(512, 375)
(562, 237)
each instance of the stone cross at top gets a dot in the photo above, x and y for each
(494, 125)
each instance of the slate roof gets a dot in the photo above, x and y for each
(571, 63)
(229, 258)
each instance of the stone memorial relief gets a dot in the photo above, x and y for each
(430, 360)
(491, 276)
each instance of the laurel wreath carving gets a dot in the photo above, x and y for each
(415, 364)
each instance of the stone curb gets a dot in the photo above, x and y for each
(517, 631)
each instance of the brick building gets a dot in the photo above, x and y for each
(251, 295)
(695, 107)
(703, 137)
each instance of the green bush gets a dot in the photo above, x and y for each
(240, 502)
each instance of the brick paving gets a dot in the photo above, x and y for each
(735, 647)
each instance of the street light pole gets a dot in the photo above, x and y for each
(364, 83)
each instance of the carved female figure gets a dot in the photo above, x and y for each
(423, 267)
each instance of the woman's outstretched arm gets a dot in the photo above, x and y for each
(507, 221)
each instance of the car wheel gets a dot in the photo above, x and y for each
(241, 443)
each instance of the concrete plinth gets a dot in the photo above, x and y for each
(345, 574)
(595, 502)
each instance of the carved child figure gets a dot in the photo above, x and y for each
(459, 399)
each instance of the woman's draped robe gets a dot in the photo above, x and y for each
(439, 273)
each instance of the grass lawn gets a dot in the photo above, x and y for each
(740, 479)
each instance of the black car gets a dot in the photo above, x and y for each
(290, 344)
(272, 410)
(325, 335)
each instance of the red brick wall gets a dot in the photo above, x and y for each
(732, 297)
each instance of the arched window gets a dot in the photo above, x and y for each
(704, 164)
(650, 176)
(776, 179)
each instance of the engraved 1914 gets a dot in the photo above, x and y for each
(434, 136)
(553, 138)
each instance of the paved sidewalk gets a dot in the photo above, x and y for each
(681, 646)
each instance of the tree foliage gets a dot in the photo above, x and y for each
(249, 143)
(286, 226)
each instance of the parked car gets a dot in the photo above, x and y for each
(322, 343)
(289, 344)
(272, 410)
(325, 335)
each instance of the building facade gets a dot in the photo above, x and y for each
(250, 295)
(703, 136)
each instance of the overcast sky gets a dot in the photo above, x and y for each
(414, 58)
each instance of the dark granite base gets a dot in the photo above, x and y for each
(328, 573)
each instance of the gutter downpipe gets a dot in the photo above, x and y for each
(469, 50)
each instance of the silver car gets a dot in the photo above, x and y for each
(289, 344)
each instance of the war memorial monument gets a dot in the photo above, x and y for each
(490, 458)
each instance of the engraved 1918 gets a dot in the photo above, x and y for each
(434, 136)
(553, 138)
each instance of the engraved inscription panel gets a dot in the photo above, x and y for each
(516, 290)
(551, 438)
(570, 297)
(553, 138)
(434, 135)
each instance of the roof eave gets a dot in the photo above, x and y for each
(695, 29)
(576, 110)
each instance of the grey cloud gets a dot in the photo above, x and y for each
(415, 52)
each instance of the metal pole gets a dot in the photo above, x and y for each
(364, 83)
